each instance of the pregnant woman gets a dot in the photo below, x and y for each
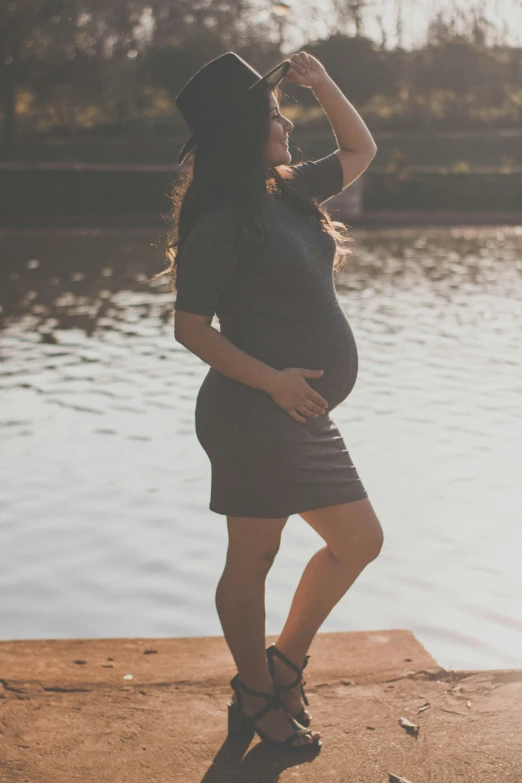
(256, 248)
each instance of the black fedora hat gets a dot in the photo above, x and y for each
(215, 90)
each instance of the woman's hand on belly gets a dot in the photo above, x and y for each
(296, 396)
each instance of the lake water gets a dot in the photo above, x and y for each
(105, 529)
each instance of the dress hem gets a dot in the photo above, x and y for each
(308, 507)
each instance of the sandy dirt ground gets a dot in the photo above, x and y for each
(154, 711)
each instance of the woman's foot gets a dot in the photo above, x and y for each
(291, 698)
(276, 724)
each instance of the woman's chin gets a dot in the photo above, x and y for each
(282, 159)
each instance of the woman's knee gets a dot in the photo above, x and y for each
(365, 546)
(350, 530)
(251, 567)
(253, 544)
(376, 541)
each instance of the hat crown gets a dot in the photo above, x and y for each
(215, 88)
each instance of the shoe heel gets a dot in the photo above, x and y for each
(239, 725)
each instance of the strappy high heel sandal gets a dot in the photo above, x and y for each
(243, 727)
(272, 650)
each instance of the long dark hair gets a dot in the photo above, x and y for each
(231, 165)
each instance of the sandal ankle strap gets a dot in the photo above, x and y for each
(273, 700)
(271, 651)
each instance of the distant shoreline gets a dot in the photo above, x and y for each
(449, 217)
(376, 219)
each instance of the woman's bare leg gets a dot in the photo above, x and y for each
(353, 537)
(240, 602)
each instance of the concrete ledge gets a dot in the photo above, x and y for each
(367, 656)
(155, 710)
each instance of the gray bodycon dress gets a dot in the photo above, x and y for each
(283, 309)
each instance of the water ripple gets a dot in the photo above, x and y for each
(105, 527)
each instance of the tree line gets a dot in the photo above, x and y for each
(70, 65)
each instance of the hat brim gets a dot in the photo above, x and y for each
(272, 78)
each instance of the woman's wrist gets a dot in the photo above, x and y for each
(323, 84)
(273, 377)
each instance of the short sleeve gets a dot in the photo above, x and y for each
(323, 178)
(208, 260)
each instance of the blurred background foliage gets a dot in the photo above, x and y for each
(96, 80)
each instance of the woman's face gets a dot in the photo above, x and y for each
(276, 150)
